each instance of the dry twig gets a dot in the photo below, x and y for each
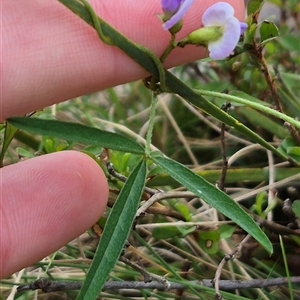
(51, 286)
(225, 259)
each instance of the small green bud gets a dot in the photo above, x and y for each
(205, 35)
(176, 28)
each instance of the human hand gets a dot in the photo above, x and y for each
(50, 55)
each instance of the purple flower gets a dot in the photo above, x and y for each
(174, 10)
(221, 15)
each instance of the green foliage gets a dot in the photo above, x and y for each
(296, 208)
(192, 160)
(212, 196)
(167, 232)
(24, 153)
(184, 211)
(115, 233)
(254, 6)
(9, 134)
(290, 148)
(209, 241)
(268, 32)
(76, 133)
(261, 206)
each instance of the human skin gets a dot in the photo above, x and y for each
(49, 55)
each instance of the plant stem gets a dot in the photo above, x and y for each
(169, 49)
(154, 101)
(251, 104)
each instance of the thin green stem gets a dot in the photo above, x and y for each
(252, 104)
(105, 39)
(160, 69)
(98, 22)
(169, 48)
(154, 101)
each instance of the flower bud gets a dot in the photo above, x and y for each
(174, 10)
(205, 35)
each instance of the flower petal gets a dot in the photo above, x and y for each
(217, 14)
(243, 27)
(170, 6)
(224, 46)
(178, 15)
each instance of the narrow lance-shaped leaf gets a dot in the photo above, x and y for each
(213, 196)
(115, 233)
(77, 133)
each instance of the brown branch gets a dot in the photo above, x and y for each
(294, 132)
(51, 286)
(226, 258)
(164, 211)
(276, 227)
(221, 184)
(115, 174)
(148, 277)
(288, 211)
(280, 229)
(163, 195)
(257, 51)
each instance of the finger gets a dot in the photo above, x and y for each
(45, 203)
(50, 55)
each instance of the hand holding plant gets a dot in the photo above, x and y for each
(116, 53)
(48, 57)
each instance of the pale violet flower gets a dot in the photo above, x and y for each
(174, 10)
(221, 15)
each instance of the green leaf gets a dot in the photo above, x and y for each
(268, 31)
(260, 201)
(291, 43)
(24, 153)
(77, 133)
(115, 233)
(165, 232)
(260, 119)
(294, 151)
(184, 210)
(254, 6)
(213, 196)
(93, 150)
(9, 134)
(289, 147)
(249, 35)
(296, 208)
(226, 231)
(209, 241)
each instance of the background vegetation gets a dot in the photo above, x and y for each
(182, 238)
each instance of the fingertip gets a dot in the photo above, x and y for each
(46, 202)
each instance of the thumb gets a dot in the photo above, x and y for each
(46, 202)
